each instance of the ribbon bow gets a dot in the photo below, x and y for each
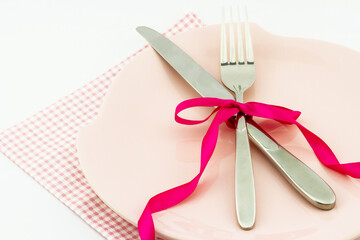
(225, 110)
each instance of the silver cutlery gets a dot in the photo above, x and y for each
(310, 185)
(238, 74)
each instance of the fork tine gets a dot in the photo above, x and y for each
(239, 37)
(232, 39)
(223, 53)
(248, 42)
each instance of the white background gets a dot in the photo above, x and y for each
(50, 48)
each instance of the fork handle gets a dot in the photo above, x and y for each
(244, 178)
(310, 185)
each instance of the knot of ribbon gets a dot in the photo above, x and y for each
(224, 111)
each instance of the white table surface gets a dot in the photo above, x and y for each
(50, 48)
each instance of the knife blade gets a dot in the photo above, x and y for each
(309, 184)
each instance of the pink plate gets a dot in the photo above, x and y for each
(135, 149)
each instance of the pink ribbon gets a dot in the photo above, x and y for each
(225, 110)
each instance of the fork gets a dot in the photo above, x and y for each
(238, 74)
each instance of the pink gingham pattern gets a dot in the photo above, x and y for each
(44, 147)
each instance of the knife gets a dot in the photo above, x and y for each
(310, 185)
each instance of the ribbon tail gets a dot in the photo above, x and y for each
(176, 195)
(326, 155)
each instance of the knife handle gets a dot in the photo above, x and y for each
(310, 185)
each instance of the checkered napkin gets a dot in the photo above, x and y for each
(44, 147)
